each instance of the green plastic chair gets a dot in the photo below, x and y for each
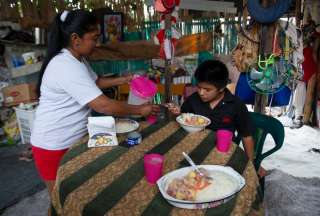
(264, 125)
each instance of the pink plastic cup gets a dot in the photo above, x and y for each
(224, 138)
(151, 119)
(153, 164)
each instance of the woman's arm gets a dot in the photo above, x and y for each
(105, 82)
(103, 104)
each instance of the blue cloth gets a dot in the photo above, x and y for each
(281, 98)
(247, 95)
(269, 14)
(243, 90)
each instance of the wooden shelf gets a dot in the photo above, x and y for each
(177, 89)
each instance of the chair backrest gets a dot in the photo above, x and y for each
(264, 125)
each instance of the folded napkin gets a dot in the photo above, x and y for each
(102, 131)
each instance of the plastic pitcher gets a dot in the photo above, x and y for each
(142, 90)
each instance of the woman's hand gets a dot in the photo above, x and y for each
(127, 78)
(149, 109)
(173, 108)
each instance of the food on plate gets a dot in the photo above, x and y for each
(103, 140)
(125, 125)
(194, 187)
(187, 187)
(193, 120)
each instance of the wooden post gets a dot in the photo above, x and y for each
(261, 100)
(168, 75)
(298, 12)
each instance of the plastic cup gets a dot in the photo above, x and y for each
(151, 119)
(153, 164)
(224, 138)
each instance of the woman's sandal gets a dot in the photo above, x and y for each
(26, 155)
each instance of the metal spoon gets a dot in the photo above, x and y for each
(195, 166)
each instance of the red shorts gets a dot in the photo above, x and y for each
(47, 162)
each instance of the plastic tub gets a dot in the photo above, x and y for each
(25, 122)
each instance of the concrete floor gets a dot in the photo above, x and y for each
(18, 179)
(279, 200)
(35, 205)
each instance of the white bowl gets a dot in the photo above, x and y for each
(193, 128)
(201, 204)
(132, 125)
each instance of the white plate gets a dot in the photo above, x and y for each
(126, 125)
(164, 180)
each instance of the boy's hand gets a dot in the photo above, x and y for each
(173, 108)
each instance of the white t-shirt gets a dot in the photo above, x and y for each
(62, 115)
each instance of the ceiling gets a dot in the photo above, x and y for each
(225, 6)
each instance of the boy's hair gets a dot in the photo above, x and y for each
(213, 72)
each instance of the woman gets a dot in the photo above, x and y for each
(68, 90)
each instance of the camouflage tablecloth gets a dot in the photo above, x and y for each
(110, 180)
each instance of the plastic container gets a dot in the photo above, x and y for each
(153, 164)
(29, 57)
(142, 90)
(134, 138)
(25, 120)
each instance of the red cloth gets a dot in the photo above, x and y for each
(47, 162)
(309, 65)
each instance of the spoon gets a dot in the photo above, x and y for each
(195, 166)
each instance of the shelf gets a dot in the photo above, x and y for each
(177, 89)
(25, 70)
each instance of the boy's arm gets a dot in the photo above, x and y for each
(244, 127)
(248, 144)
(187, 107)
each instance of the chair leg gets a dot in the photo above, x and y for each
(262, 184)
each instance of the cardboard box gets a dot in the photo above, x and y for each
(22, 93)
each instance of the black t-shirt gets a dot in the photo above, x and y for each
(230, 113)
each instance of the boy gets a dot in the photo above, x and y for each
(215, 101)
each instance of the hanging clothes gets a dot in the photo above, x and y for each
(295, 36)
(312, 8)
(309, 65)
(299, 98)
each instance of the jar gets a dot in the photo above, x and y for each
(134, 138)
